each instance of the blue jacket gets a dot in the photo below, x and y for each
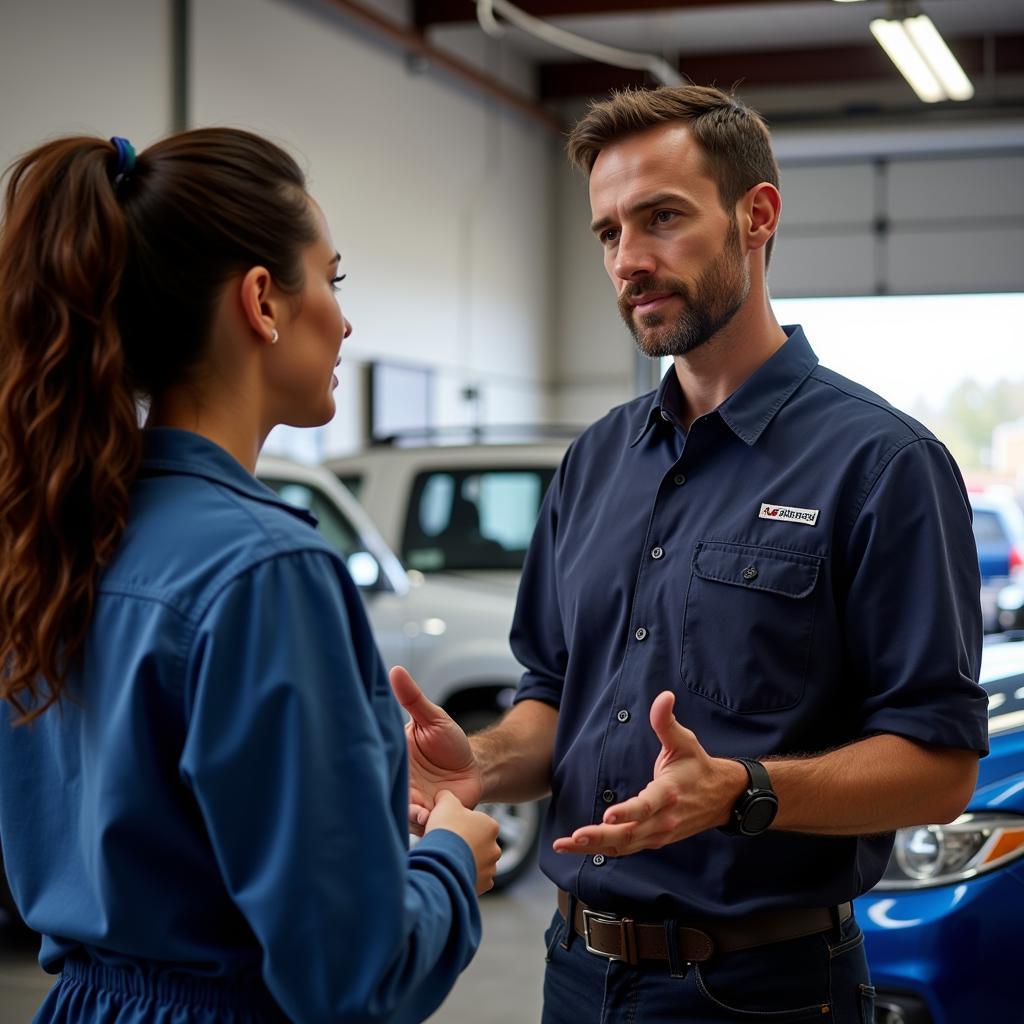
(215, 817)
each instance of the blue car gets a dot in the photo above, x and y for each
(998, 533)
(943, 928)
(999, 536)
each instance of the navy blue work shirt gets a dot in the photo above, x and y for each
(223, 794)
(798, 568)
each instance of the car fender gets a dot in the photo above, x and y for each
(476, 665)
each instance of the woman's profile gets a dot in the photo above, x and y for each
(203, 780)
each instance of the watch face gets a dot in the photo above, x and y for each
(759, 814)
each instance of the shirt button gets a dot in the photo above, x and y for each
(641, 633)
(598, 859)
(608, 796)
(657, 552)
(679, 479)
(750, 573)
(623, 716)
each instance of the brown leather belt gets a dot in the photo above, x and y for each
(623, 938)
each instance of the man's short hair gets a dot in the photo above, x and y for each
(734, 139)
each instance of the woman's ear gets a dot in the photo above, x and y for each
(258, 305)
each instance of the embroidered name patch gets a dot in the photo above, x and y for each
(807, 516)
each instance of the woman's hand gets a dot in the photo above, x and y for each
(478, 829)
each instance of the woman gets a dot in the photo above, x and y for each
(203, 787)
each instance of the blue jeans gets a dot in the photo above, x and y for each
(822, 977)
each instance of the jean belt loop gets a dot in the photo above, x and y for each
(837, 924)
(677, 968)
(570, 922)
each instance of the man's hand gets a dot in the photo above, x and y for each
(439, 753)
(689, 793)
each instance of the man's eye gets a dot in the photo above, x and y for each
(609, 235)
(664, 216)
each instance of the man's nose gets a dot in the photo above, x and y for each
(633, 258)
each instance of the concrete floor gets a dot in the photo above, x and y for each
(501, 986)
(22, 984)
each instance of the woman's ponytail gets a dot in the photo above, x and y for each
(69, 438)
(110, 274)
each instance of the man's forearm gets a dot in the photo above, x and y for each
(514, 755)
(878, 784)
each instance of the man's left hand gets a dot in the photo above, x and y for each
(689, 793)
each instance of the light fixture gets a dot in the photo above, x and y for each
(922, 57)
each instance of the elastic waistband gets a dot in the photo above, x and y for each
(161, 984)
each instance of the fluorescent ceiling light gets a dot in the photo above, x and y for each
(939, 57)
(923, 58)
(892, 37)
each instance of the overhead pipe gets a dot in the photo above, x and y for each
(417, 47)
(655, 66)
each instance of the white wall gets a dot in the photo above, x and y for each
(438, 199)
(96, 68)
(595, 365)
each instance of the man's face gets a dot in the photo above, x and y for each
(671, 250)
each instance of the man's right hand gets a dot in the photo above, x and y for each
(439, 753)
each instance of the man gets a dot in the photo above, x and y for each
(764, 560)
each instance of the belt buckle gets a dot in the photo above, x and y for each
(628, 936)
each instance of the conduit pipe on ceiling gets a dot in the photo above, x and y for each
(414, 45)
(580, 45)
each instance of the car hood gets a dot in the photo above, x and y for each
(464, 600)
(1001, 774)
(495, 581)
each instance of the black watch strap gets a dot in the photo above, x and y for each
(755, 810)
(759, 777)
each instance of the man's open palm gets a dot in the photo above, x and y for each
(439, 753)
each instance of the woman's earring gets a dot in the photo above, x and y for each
(274, 337)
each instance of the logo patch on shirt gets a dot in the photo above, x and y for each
(807, 516)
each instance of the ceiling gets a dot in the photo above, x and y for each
(795, 60)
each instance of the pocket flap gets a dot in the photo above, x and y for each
(745, 565)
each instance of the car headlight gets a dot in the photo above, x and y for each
(928, 855)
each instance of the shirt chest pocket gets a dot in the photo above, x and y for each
(748, 625)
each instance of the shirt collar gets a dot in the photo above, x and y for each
(169, 450)
(665, 407)
(753, 405)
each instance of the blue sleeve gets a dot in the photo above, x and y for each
(296, 757)
(913, 611)
(537, 638)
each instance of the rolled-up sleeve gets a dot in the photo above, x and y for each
(537, 637)
(288, 760)
(913, 614)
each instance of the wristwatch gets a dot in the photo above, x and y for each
(757, 806)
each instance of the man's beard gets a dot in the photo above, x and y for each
(712, 302)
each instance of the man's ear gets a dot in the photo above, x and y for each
(758, 215)
(259, 307)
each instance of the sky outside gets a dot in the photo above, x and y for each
(914, 349)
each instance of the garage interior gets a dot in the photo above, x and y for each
(433, 135)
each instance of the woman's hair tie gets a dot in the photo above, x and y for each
(125, 159)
